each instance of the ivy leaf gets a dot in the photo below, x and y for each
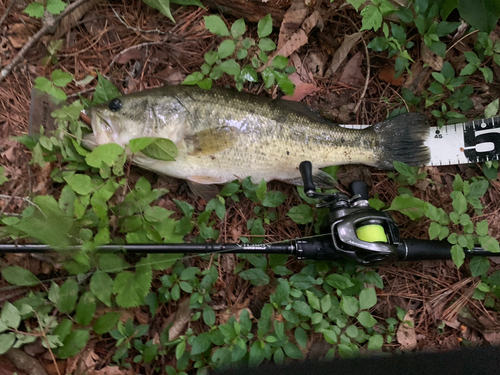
(216, 25)
(19, 276)
(131, 288)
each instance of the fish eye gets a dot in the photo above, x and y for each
(115, 104)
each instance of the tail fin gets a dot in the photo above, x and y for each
(402, 139)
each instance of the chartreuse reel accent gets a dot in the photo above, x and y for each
(353, 230)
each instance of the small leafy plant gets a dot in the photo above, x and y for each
(252, 56)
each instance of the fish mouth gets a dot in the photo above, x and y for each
(103, 129)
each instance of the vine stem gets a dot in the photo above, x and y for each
(35, 38)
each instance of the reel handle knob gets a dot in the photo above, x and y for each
(359, 187)
(305, 169)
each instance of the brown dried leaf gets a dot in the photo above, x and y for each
(406, 333)
(301, 89)
(387, 74)
(435, 62)
(341, 54)
(294, 17)
(132, 54)
(71, 19)
(18, 34)
(352, 74)
(179, 320)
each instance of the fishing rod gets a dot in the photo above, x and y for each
(353, 230)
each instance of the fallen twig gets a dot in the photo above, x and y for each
(35, 38)
(7, 11)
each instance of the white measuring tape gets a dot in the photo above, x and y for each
(468, 142)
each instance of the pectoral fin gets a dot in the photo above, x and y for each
(203, 186)
(211, 141)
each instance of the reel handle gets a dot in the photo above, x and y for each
(358, 187)
(305, 169)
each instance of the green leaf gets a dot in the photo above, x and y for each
(375, 342)
(55, 7)
(193, 79)
(229, 189)
(313, 300)
(211, 57)
(481, 14)
(302, 308)
(226, 48)
(266, 45)
(132, 288)
(458, 255)
(101, 285)
(68, 295)
(489, 243)
(410, 206)
(85, 309)
(482, 228)
(19, 276)
(80, 183)
(6, 342)
(241, 54)
(10, 316)
(265, 26)
(216, 25)
(366, 319)
(367, 298)
(104, 91)
(339, 281)
(356, 3)
(137, 144)
(459, 203)
(73, 343)
(301, 214)
(479, 266)
(112, 263)
(292, 351)
(372, 18)
(256, 276)
(238, 28)
(106, 323)
(249, 74)
(161, 149)
(60, 78)
(230, 67)
(107, 154)
(492, 109)
(36, 10)
(201, 343)
(350, 305)
(208, 316)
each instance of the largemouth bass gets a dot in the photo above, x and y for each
(223, 135)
